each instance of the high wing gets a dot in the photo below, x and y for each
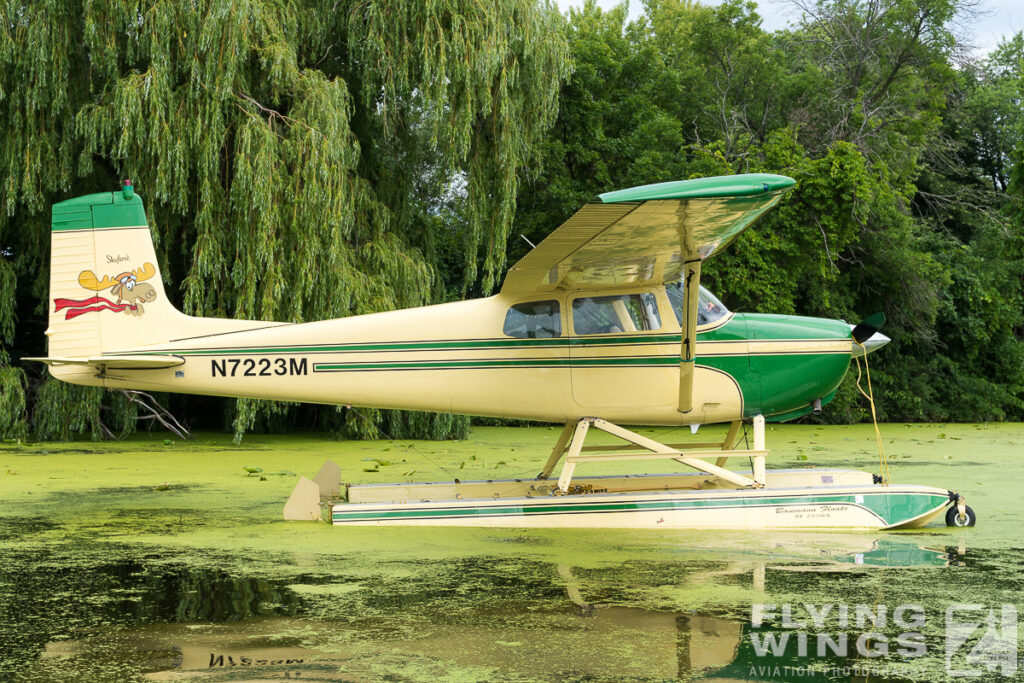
(650, 235)
(644, 234)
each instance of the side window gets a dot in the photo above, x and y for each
(676, 298)
(533, 320)
(611, 314)
(709, 308)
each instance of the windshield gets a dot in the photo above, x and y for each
(709, 308)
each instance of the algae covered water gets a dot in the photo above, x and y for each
(152, 559)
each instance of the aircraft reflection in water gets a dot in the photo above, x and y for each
(570, 637)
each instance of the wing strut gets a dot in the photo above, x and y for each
(688, 349)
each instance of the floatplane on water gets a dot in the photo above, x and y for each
(602, 324)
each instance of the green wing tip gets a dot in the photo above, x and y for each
(743, 185)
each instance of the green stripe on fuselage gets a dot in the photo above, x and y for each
(733, 330)
(453, 345)
(499, 363)
(782, 380)
(732, 365)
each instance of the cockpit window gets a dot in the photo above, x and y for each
(610, 314)
(709, 308)
(533, 320)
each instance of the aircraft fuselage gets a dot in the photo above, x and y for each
(463, 357)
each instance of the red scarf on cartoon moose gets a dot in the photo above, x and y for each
(96, 303)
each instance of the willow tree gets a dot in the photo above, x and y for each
(291, 153)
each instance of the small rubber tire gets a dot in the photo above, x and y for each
(953, 517)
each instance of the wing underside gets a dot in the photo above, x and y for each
(645, 235)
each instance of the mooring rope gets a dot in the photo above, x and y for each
(411, 448)
(870, 396)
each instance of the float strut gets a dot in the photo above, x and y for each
(577, 431)
(760, 476)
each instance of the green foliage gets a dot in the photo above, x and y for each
(291, 153)
(902, 165)
(874, 74)
(307, 160)
(13, 424)
(371, 423)
(65, 410)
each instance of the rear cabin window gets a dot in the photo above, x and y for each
(611, 314)
(709, 308)
(533, 320)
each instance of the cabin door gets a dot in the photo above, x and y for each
(620, 357)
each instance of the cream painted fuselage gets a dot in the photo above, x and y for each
(456, 358)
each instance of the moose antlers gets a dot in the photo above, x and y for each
(88, 279)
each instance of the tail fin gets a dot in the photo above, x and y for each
(107, 299)
(106, 293)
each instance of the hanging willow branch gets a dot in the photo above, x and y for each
(281, 146)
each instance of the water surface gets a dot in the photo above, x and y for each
(146, 560)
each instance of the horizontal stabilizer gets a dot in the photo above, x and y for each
(117, 362)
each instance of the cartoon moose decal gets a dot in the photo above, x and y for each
(131, 292)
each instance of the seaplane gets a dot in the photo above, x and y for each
(603, 324)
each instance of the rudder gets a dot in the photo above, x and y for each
(106, 293)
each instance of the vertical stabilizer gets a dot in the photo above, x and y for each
(106, 293)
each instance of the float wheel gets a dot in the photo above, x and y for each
(953, 516)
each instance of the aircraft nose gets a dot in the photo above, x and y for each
(872, 343)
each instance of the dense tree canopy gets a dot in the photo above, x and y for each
(308, 160)
(290, 152)
(904, 151)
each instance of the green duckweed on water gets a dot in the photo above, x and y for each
(155, 560)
